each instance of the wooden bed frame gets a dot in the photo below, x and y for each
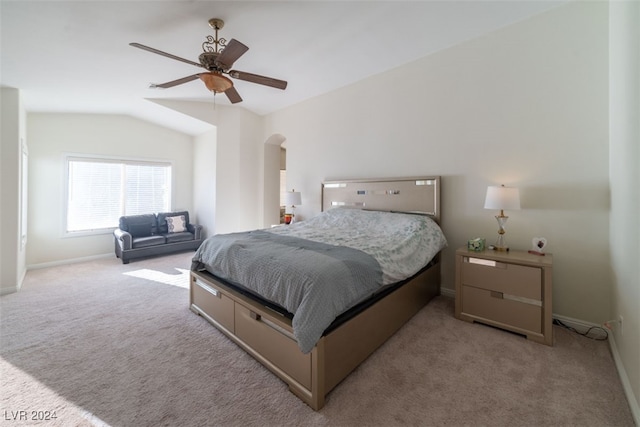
(268, 336)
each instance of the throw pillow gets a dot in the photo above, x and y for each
(176, 224)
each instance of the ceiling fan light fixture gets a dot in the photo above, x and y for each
(216, 82)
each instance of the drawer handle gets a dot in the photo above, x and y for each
(212, 291)
(485, 262)
(524, 300)
(498, 295)
(258, 318)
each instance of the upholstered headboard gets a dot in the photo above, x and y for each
(413, 195)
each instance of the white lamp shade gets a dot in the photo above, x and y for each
(507, 198)
(293, 198)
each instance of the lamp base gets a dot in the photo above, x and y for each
(501, 243)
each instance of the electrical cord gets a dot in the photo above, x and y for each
(584, 334)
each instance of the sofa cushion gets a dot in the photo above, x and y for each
(178, 237)
(143, 242)
(126, 222)
(140, 230)
(162, 222)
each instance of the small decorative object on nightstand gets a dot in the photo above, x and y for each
(537, 245)
(510, 290)
(476, 244)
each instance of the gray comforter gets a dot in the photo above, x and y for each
(314, 281)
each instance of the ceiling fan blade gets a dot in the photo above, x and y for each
(230, 54)
(168, 55)
(233, 95)
(175, 82)
(255, 78)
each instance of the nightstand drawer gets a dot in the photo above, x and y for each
(501, 308)
(512, 279)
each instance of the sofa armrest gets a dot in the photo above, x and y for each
(123, 239)
(196, 229)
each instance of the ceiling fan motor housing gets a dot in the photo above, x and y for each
(209, 61)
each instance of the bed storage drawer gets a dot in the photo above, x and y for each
(276, 344)
(213, 303)
(502, 308)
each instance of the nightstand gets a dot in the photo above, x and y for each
(510, 290)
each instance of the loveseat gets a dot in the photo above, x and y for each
(140, 236)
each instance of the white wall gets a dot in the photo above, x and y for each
(525, 106)
(247, 148)
(12, 134)
(625, 185)
(53, 135)
(238, 165)
(204, 180)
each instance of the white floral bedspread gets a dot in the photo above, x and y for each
(401, 243)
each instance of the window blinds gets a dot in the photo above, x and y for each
(100, 191)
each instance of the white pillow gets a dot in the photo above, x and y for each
(176, 224)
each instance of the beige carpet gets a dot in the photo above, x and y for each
(101, 343)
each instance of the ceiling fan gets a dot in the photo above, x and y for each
(217, 58)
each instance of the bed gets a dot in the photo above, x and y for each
(312, 300)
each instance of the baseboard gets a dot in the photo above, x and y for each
(68, 261)
(9, 290)
(16, 288)
(583, 326)
(624, 378)
(577, 324)
(446, 292)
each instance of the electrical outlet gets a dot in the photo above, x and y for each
(620, 324)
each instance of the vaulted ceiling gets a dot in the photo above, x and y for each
(74, 56)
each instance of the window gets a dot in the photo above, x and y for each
(100, 191)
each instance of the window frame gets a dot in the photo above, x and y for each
(67, 157)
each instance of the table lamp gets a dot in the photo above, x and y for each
(292, 199)
(502, 198)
